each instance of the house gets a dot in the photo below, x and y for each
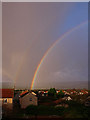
(57, 101)
(28, 98)
(87, 101)
(6, 98)
(67, 98)
(16, 98)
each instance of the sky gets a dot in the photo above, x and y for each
(33, 30)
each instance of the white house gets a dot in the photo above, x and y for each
(67, 98)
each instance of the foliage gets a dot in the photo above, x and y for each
(50, 110)
(31, 110)
(76, 110)
(60, 94)
(52, 92)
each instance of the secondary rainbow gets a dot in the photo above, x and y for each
(52, 46)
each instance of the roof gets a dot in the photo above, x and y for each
(6, 93)
(33, 93)
(26, 92)
(88, 98)
(57, 101)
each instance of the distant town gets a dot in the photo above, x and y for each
(63, 103)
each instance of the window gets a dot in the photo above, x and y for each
(5, 101)
(30, 99)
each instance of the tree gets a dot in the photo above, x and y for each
(52, 92)
(60, 94)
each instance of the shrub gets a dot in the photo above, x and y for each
(32, 110)
(52, 92)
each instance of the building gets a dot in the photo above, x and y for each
(87, 101)
(67, 98)
(16, 96)
(6, 98)
(28, 98)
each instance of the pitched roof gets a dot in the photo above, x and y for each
(57, 101)
(33, 93)
(6, 93)
(24, 93)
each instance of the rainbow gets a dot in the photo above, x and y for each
(25, 53)
(19, 68)
(49, 49)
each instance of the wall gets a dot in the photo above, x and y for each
(27, 100)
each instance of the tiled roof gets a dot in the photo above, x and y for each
(33, 93)
(57, 101)
(24, 93)
(6, 93)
